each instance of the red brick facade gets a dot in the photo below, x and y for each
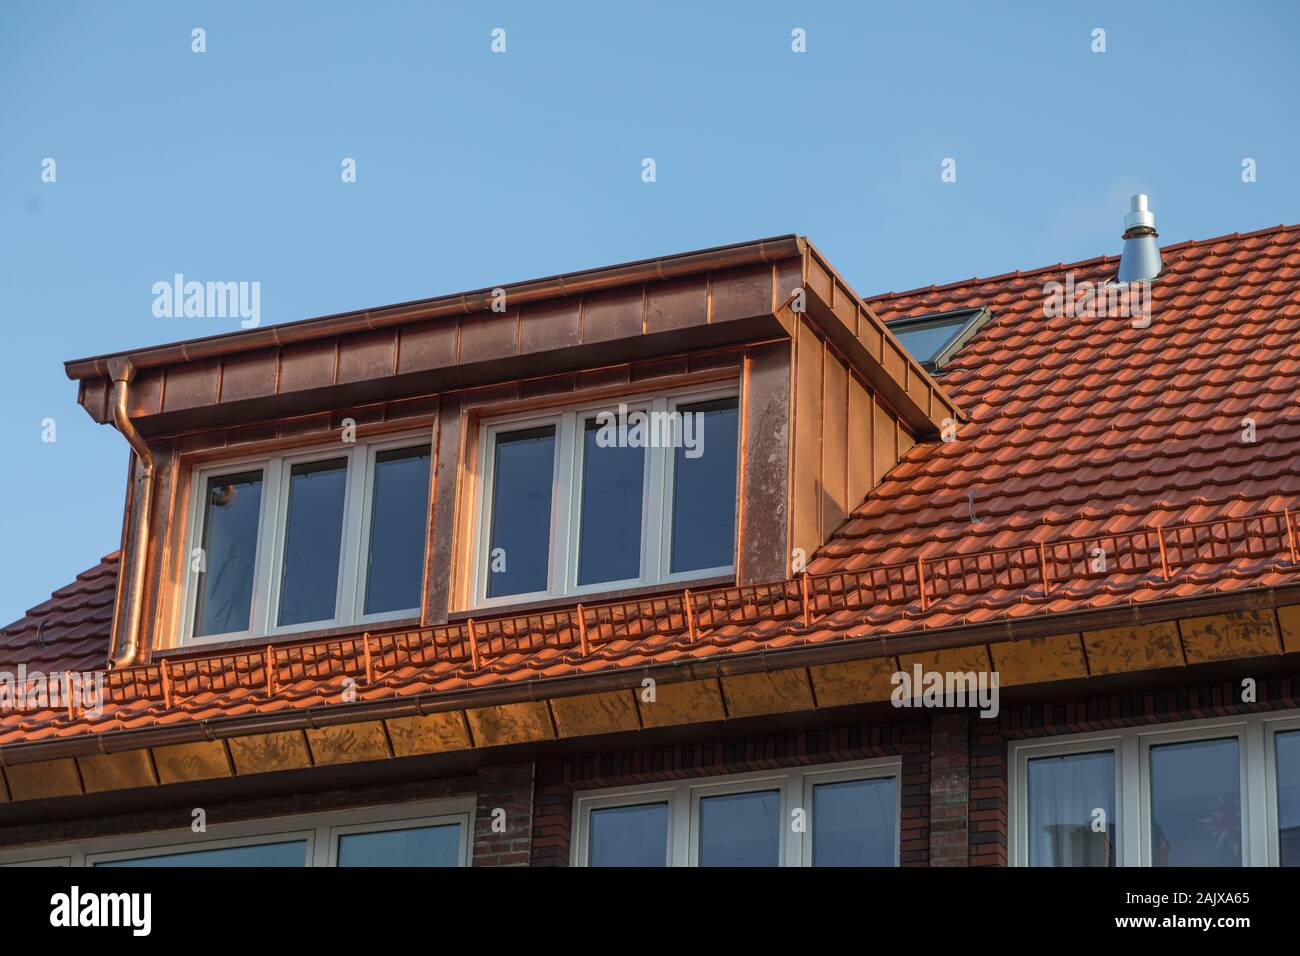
(503, 816)
(949, 789)
(954, 764)
(558, 781)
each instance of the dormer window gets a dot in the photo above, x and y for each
(606, 497)
(307, 540)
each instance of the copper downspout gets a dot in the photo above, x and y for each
(124, 646)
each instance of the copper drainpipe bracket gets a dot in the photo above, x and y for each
(124, 646)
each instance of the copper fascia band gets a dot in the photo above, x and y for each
(722, 257)
(124, 645)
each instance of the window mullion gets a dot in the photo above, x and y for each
(657, 493)
(571, 542)
(684, 849)
(794, 796)
(269, 550)
(562, 505)
(355, 549)
(1134, 782)
(1254, 794)
(483, 534)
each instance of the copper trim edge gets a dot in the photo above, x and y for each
(459, 303)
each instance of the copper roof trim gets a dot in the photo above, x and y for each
(567, 284)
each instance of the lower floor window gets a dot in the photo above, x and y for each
(838, 815)
(1199, 793)
(420, 835)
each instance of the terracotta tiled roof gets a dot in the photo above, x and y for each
(69, 631)
(1083, 433)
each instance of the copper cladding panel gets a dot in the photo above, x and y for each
(588, 714)
(834, 472)
(1037, 660)
(738, 293)
(764, 505)
(805, 491)
(118, 771)
(44, 780)
(249, 375)
(367, 355)
(677, 304)
(859, 442)
(884, 442)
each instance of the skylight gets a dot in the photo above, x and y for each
(933, 339)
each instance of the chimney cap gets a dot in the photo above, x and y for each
(1140, 213)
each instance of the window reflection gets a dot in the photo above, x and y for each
(1196, 804)
(231, 509)
(1072, 810)
(398, 522)
(613, 480)
(312, 538)
(629, 836)
(411, 846)
(1287, 750)
(704, 487)
(741, 829)
(853, 823)
(520, 540)
(291, 853)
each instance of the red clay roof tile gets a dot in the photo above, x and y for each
(1081, 433)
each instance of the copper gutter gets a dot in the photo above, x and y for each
(848, 649)
(124, 645)
(573, 283)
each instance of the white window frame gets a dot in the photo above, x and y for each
(354, 544)
(320, 832)
(1257, 774)
(566, 508)
(683, 798)
(1282, 725)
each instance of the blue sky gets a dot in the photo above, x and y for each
(475, 168)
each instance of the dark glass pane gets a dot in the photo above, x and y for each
(854, 822)
(1064, 795)
(924, 341)
(613, 481)
(704, 486)
(417, 846)
(293, 853)
(1196, 804)
(313, 532)
(629, 836)
(398, 516)
(520, 541)
(741, 829)
(231, 509)
(1288, 797)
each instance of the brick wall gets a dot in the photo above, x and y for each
(990, 740)
(949, 789)
(988, 793)
(558, 781)
(503, 817)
